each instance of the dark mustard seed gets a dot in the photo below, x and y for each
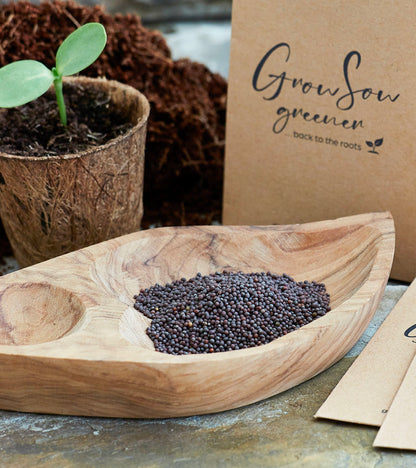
(228, 311)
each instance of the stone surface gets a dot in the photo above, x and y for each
(279, 431)
(204, 42)
(164, 10)
(170, 10)
(390, 298)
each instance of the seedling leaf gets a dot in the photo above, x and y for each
(22, 82)
(26, 80)
(80, 49)
(378, 142)
(369, 143)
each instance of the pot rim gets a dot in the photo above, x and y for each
(142, 121)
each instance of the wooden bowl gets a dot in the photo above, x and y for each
(72, 343)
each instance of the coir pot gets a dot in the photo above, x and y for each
(52, 205)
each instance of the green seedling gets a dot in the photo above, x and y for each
(26, 80)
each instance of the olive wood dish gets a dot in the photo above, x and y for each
(72, 343)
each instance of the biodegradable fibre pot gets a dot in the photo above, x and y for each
(53, 205)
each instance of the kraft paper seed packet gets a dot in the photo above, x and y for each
(321, 115)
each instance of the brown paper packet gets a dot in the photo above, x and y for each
(302, 74)
(365, 393)
(399, 426)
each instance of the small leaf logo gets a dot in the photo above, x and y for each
(374, 144)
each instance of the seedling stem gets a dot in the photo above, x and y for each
(57, 82)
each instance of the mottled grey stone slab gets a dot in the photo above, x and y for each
(205, 42)
(390, 297)
(169, 10)
(279, 431)
(163, 10)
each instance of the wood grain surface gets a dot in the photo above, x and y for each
(72, 343)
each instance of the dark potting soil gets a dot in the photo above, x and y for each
(34, 129)
(228, 311)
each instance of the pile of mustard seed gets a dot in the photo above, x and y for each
(228, 311)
